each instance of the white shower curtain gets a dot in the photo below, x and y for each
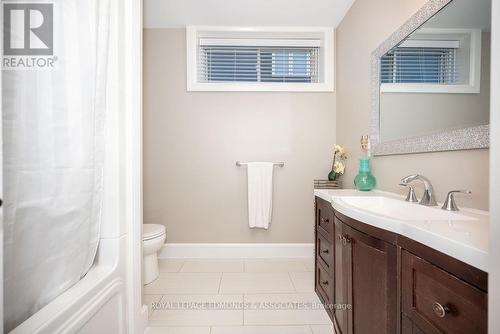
(53, 144)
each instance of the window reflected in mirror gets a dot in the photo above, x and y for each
(437, 79)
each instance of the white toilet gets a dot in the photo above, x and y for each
(153, 237)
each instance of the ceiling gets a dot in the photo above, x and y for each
(179, 13)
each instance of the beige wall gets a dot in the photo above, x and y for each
(192, 140)
(366, 25)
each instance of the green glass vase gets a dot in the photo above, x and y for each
(332, 176)
(365, 181)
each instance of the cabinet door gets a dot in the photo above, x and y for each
(340, 289)
(371, 282)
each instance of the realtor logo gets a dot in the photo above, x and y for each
(28, 36)
(28, 29)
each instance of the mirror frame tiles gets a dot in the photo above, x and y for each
(461, 139)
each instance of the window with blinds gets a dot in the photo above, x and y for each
(423, 65)
(298, 59)
(240, 63)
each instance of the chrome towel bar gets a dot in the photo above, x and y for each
(241, 163)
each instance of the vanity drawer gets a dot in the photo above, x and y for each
(324, 252)
(324, 218)
(438, 302)
(324, 284)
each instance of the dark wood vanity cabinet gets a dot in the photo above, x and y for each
(370, 283)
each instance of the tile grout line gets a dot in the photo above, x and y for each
(305, 266)
(231, 293)
(291, 280)
(182, 265)
(220, 282)
(211, 327)
(243, 311)
(153, 311)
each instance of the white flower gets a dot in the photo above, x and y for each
(341, 152)
(339, 167)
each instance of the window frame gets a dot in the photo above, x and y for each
(472, 87)
(327, 58)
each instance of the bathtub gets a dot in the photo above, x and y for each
(94, 305)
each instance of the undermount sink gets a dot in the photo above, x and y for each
(400, 209)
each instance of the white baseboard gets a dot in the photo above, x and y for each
(227, 251)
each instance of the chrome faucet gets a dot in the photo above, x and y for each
(450, 204)
(428, 197)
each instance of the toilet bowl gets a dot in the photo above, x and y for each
(153, 238)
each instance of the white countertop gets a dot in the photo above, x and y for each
(464, 239)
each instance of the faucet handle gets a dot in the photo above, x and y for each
(411, 197)
(450, 204)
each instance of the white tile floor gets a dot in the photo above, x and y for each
(235, 296)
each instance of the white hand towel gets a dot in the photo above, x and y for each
(260, 194)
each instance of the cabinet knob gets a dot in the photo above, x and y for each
(340, 237)
(325, 251)
(345, 240)
(325, 220)
(439, 309)
(324, 282)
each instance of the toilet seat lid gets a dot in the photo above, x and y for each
(151, 231)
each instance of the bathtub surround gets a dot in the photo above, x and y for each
(357, 36)
(191, 141)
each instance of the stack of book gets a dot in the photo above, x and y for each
(327, 184)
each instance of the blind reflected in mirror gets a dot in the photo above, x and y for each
(437, 79)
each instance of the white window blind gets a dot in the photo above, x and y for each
(259, 60)
(431, 63)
